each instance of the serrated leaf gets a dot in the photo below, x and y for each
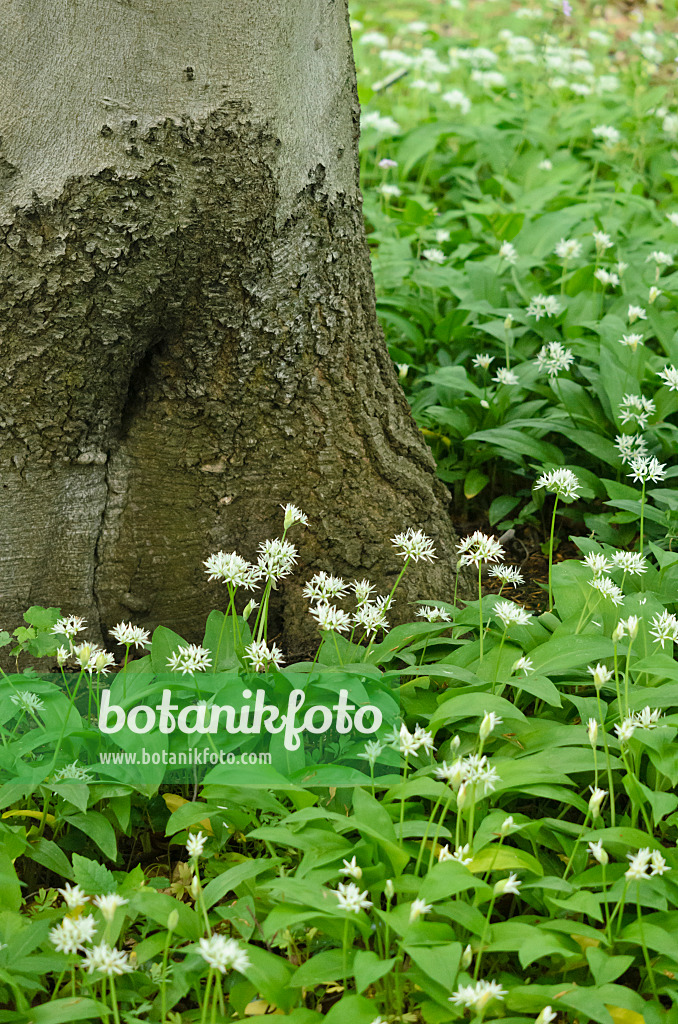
(93, 878)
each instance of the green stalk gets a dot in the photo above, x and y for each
(344, 951)
(114, 1000)
(480, 605)
(576, 844)
(610, 783)
(425, 836)
(441, 822)
(553, 526)
(646, 955)
(402, 799)
(626, 676)
(486, 928)
(208, 985)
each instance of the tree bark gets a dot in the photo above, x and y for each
(187, 327)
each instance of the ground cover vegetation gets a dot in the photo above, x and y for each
(507, 851)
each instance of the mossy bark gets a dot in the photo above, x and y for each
(188, 339)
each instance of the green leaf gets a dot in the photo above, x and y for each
(502, 507)
(93, 878)
(227, 881)
(271, 975)
(474, 483)
(218, 639)
(368, 968)
(46, 852)
(9, 884)
(373, 819)
(60, 1011)
(322, 968)
(98, 828)
(472, 705)
(41, 618)
(505, 858)
(567, 652)
(606, 968)
(159, 905)
(516, 443)
(445, 880)
(165, 642)
(351, 1010)
(439, 962)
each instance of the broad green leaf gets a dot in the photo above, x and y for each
(368, 968)
(227, 881)
(61, 1011)
(323, 968)
(98, 828)
(10, 889)
(505, 858)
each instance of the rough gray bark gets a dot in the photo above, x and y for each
(187, 325)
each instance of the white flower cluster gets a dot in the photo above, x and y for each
(472, 770)
(664, 627)
(190, 659)
(511, 614)
(90, 657)
(644, 469)
(478, 995)
(642, 861)
(670, 377)
(223, 954)
(507, 574)
(645, 719)
(561, 482)
(261, 656)
(568, 249)
(543, 305)
(479, 547)
(369, 615)
(554, 358)
(433, 614)
(409, 743)
(606, 277)
(351, 899)
(630, 446)
(28, 701)
(74, 933)
(636, 408)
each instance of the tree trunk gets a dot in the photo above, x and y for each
(187, 326)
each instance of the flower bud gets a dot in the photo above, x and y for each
(172, 920)
(592, 731)
(507, 826)
(389, 889)
(466, 957)
(462, 797)
(508, 322)
(248, 609)
(597, 851)
(595, 801)
(487, 725)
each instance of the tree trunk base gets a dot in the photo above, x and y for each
(179, 360)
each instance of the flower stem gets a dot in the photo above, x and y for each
(553, 526)
(480, 605)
